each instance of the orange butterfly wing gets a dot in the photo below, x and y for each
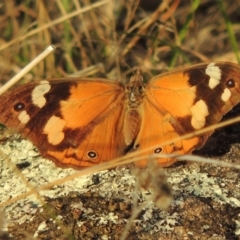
(75, 123)
(185, 100)
(156, 130)
(81, 122)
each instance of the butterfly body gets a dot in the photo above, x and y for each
(79, 122)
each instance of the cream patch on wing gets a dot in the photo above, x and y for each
(215, 73)
(38, 93)
(226, 95)
(199, 112)
(23, 117)
(54, 130)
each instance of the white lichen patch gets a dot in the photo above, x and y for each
(42, 227)
(200, 184)
(105, 219)
(119, 183)
(237, 231)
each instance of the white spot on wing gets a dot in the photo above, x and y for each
(54, 130)
(214, 72)
(38, 93)
(23, 117)
(199, 112)
(226, 95)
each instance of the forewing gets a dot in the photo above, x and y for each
(187, 100)
(71, 121)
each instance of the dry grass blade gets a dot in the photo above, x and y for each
(26, 69)
(154, 17)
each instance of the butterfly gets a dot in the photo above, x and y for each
(79, 122)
